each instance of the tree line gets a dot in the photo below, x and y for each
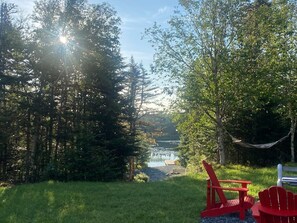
(69, 105)
(235, 65)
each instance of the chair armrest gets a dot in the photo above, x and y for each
(236, 181)
(231, 189)
(276, 212)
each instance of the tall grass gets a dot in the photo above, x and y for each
(178, 200)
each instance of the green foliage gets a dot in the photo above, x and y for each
(141, 178)
(143, 143)
(234, 61)
(160, 126)
(259, 69)
(194, 143)
(139, 92)
(13, 82)
(195, 51)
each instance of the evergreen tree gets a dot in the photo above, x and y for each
(13, 84)
(62, 112)
(140, 92)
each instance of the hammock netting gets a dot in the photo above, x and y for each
(257, 146)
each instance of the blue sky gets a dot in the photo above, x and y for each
(136, 15)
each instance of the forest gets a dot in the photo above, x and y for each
(72, 109)
(69, 105)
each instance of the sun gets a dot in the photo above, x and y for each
(63, 39)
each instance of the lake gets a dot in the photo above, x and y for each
(163, 150)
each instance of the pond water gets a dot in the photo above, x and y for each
(163, 150)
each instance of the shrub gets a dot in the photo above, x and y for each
(141, 178)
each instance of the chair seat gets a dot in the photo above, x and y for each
(248, 202)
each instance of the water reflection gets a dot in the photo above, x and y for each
(164, 150)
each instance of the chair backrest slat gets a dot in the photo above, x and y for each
(283, 199)
(264, 198)
(291, 203)
(214, 181)
(273, 195)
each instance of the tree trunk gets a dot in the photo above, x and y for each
(220, 141)
(293, 129)
(51, 129)
(4, 161)
(28, 146)
(219, 124)
(34, 165)
(131, 167)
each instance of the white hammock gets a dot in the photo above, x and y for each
(249, 145)
(257, 146)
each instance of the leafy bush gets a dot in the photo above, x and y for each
(141, 178)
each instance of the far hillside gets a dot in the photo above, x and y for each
(159, 126)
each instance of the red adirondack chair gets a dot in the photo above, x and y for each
(223, 205)
(277, 205)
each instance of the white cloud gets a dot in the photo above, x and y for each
(127, 21)
(164, 9)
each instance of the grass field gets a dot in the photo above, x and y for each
(178, 200)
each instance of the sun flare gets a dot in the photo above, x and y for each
(63, 39)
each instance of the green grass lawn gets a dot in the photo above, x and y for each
(176, 200)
